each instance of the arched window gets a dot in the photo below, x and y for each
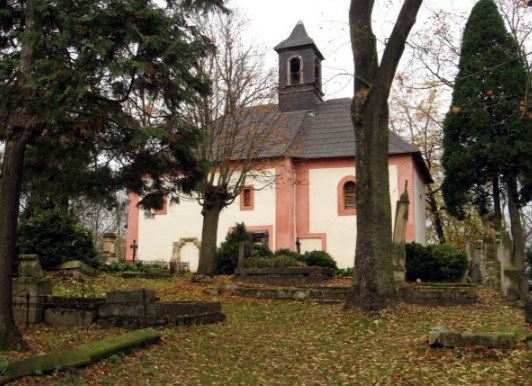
(347, 188)
(295, 67)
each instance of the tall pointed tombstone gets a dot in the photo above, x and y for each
(399, 231)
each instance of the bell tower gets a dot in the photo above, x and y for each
(299, 72)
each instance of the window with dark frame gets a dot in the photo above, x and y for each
(350, 195)
(295, 71)
(246, 196)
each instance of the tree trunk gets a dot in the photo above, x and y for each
(436, 217)
(211, 215)
(497, 211)
(373, 286)
(518, 234)
(18, 130)
(10, 337)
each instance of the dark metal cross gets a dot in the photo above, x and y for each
(134, 246)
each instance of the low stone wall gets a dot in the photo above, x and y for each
(287, 276)
(81, 356)
(438, 295)
(324, 295)
(130, 309)
(428, 295)
(441, 336)
(121, 310)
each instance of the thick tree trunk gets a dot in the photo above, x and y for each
(10, 338)
(211, 215)
(373, 286)
(17, 132)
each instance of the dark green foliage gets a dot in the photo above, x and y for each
(275, 261)
(319, 259)
(97, 66)
(434, 263)
(123, 267)
(419, 262)
(487, 131)
(227, 254)
(288, 252)
(261, 256)
(452, 262)
(260, 250)
(56, 237)
(344, 272)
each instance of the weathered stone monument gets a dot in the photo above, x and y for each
(108, 248)
(475, 272)
(399, 230)
(491, 263)
(30, 290)
(509, 272)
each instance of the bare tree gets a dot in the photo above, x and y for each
(238, 120)
(373, 286)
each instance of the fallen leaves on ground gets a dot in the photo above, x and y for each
(272, 342)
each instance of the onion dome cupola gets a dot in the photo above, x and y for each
(299, 71)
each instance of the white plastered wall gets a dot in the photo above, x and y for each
(157, 234)
(323, 208)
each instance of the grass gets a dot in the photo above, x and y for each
(266, 342)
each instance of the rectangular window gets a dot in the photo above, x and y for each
(247, 198)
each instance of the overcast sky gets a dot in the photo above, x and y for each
(326, 21)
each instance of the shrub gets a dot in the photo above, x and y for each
(288, 252)
(344, 272)
(226, 259)
(260, 250)
(420, 264)
(435, 262)
(56, 237)
(319, 259)
(275, 261)
(123, 267)
(452, 262)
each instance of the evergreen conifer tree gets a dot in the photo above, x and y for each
(487, 132)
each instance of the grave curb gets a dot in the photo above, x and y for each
(82, 356)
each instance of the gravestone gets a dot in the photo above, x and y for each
(509, 272)
(475, 271)
(30, 290)
(399, 230)
(108, 248)
(245, 249)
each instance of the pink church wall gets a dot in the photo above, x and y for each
(132, 224)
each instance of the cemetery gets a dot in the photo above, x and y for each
(449, 304)
(177, 305)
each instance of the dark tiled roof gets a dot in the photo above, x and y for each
(329, 133)
(326, 133)
(298, 38)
